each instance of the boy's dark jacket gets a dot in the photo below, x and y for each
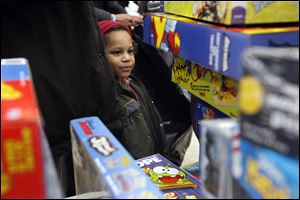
(173, 107)
(143, 133)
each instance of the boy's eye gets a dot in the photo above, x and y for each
(120, 52)
(131, 51)
(116, 52)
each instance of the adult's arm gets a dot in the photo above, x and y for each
(102, 14)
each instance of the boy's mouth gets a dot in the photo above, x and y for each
(126, 68)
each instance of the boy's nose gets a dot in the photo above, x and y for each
(126, 57)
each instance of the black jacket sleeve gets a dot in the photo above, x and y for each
(102, 14)
(104, 9)
(114, 7)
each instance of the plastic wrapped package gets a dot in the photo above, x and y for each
(219, 146)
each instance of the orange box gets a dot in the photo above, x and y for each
(21, 151)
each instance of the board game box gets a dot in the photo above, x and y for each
(203, 111)
(173, 181)
(214, 47)
(236, 12)
(269, 98)
(215, 89)
(22, 169)
(102, 164)
(267, 174)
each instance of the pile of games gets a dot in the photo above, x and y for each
(269, 102)
(261, 88)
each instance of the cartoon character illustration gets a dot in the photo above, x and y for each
(166, 174)
(210, 10)
(199, 72)
(225, 89)
(170, 39)
(208, 113)
(167, 177)
(102, 145)
(171, 195)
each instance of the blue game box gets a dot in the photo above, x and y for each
(101, 163)
(216, 47)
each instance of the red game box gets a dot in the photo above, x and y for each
(21, 152)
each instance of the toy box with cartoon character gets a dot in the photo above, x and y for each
(213, 88)
(219, 146)
(203, 111)
(22, 174)
(214, 47)
(101, 163)
(236, 12)
(267, 174)
(269, 98)
(173, 181)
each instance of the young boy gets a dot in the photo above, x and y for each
(144, 134)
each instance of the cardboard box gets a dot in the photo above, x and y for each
(102, 164)
(267, 174)
(214, 47)
(269, 99)
(219, 147)
(22, 169)
(173, 181)
(213, 88)
(236, 12)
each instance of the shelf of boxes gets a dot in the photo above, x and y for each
(208, 40)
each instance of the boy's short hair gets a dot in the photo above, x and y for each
(107, 26)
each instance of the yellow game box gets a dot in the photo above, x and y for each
(236, 12)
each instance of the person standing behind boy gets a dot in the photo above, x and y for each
(112, 10)
(144, 134)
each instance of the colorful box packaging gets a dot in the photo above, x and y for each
(173, 181)
(219, 147)
(102, 164)
(236, 12)
(22, 169)
(203, 111)
(269, 99)
(213, 88)
(214, 47)
(267, 174)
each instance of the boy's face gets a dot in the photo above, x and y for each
(119, 53)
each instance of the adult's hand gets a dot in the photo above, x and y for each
(129, 20)
(137, 19)
(124, 19)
